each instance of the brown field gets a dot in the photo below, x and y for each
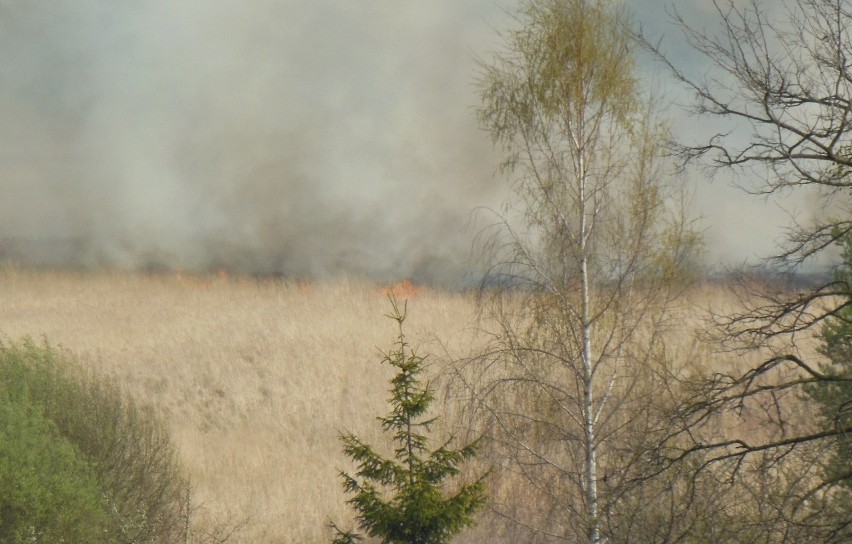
(253, 377)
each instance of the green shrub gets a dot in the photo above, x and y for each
(134, 462)
(49, 492)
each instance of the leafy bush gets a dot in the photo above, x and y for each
(49, 492)
(129, 452)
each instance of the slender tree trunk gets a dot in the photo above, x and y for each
(589, 419)
(590, 471)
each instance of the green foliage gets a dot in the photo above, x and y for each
(586, 149)
(416, 510)
(129, 451)
(569, 65)
(49, 493)
(833, 395)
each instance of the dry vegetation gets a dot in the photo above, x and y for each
(255, 377)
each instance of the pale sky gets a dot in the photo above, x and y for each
(305, 137)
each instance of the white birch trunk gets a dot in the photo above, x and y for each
(588, 411)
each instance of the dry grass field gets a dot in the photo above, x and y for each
(253, 377)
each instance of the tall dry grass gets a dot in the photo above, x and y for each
(254, 378)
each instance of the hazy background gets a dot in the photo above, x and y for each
(308, 138)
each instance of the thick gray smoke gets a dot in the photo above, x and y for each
(271, 136)
(303, 138)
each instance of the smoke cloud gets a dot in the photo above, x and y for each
(272, 136)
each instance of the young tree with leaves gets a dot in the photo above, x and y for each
(403, 499)
(586, 262)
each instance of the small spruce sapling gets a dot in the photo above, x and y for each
(402, 500)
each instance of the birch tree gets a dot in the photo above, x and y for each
(585, 263)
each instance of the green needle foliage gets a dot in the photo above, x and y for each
(833, 394)
(402, 500)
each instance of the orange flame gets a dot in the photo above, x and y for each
(405, 289)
